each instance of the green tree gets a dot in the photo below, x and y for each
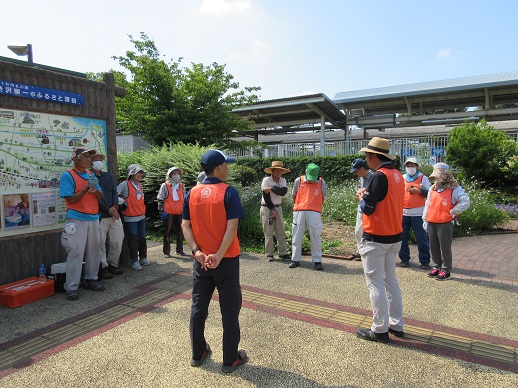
(166, 102)
(481, 152)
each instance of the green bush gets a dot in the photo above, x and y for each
(246, 175)
(482, 215)
(341, 203)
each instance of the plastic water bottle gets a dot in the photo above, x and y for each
(43, 274)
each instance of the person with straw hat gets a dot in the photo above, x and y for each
(382, 207)
(274, 188)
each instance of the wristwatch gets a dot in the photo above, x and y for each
(195, 250)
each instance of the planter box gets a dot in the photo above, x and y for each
(25, 291)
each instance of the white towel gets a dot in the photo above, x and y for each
(175, 192)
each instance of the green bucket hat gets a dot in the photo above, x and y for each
(312, 172)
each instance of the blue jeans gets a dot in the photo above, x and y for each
(416, 223)
(137, 239)
(226, 279)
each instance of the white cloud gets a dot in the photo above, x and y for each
(224, 7)
(444, 53)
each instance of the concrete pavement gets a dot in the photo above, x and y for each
(297, 326)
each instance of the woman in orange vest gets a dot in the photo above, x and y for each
(135, 215)
(170, 203)
(445, 201)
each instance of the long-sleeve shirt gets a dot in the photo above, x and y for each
(111, 197)
(458, 197)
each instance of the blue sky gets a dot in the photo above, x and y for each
(287, 47)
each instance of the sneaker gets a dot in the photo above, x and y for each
(270, 258)
(181, 253)
(93, 285)
(241, 359)
(144, 261)
(369, 335)
(433, 273)
(294, 264)
(72, 295)
(424, 266)
(404, 264)
(318, 266)
(443, 275)
(115, 270)
(167, 255)
(397, 333)
(135, 265)
(199, 362)
(285, 257)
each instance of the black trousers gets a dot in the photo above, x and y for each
(173, 224)
(226, 278)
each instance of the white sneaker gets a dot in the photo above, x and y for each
(136, 266)
(144, 261)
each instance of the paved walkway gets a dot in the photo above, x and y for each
(490, 257)
(297, 325)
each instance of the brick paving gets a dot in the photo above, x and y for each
(492, 257)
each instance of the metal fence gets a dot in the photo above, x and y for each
(428, 150)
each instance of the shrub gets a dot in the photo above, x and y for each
(482, 215)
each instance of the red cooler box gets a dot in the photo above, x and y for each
(25, 291)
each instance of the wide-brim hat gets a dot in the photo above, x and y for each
(378, 145)
(134, 169)
(439, 169)
(173, 169)
(276, 164)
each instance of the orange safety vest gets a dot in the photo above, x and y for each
(88, 204)
(413, 201)
(136, 207)
(309, 196)
(170, 205)
(386, 219)
(440, 206)
(209, 218)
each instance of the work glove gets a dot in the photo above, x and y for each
(163, 215)
(425, 226)
(92, 182)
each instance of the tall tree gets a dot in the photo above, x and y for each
(166, 102)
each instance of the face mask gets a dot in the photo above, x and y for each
(411, 171)
(97, 165)
(175, 178)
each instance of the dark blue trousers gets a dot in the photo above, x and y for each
(226, 279)
(416, 223)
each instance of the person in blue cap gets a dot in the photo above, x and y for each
(210, 221)
(361, 170)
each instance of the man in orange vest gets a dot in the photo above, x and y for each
(382, 207)
(416, 191)
(211, 214)
(170, 203)
(81, 234)
(309, 192)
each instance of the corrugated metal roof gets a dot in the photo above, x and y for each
(431, 87)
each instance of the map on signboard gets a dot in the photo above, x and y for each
(35, 148)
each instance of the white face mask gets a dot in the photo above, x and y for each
(175, 178)
(97, 165)
(411, 171)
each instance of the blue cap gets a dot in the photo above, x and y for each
(358, 163)
(213, 158)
